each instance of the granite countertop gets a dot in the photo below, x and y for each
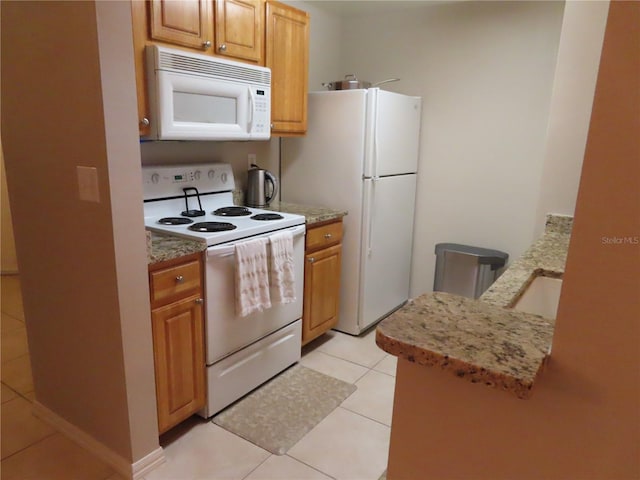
(312, 214)
(484, 340)
(168, 247)
(499, 347)
(547, 256)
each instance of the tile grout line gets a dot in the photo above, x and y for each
(257, 466)
(350, 361)
(19, 394)
(310, 466)
(364, 416)
(55, 432)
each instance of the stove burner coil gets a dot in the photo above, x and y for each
(192, 213)
(174, 221)
(267, 216)
(211, 226)
(232, 211)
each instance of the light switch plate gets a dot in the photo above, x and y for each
(88, 184)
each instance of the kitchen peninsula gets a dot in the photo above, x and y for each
(471, 342)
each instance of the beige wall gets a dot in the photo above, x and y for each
(8, 259)
(68, 100)
(583, 26)
(583, 420)
(485, 72)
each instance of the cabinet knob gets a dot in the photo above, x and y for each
(199, 301)
(311, 260)
(223, 47)
(327, 236)
(206, 44)
(179, 279)
(145, 121)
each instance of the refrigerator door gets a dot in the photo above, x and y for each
(393, 133)
(324, 168)
(387, 242)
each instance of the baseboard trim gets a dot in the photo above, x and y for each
(134, 471)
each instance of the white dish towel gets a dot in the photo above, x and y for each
(282, 274)
(252, 277)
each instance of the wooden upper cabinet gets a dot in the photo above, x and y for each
(287, 55)
(239, 27)
(181, 22)
(252, 31)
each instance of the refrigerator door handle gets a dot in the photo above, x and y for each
(374, 159)
(371, 215)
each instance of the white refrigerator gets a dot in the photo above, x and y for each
(360, 154)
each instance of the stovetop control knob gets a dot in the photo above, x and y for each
(155, 178)
(196, 174)
(212, 174)
(223, 177)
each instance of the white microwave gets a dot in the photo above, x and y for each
(198, 97)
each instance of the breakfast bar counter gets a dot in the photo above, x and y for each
(485, 340)
(482, 343)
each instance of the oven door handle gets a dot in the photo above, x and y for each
(230, 248)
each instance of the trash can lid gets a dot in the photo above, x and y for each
(486, 256)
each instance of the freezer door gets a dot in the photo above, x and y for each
(393, 133)
(387, 243)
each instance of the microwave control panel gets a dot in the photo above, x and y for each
(261, 126)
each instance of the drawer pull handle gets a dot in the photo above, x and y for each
(199, 301)
(179, 279)
(327, 236)
(311, 260)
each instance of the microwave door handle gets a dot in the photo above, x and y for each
(251, 106)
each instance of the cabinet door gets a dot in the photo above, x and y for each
(321, 291)
(178, 344)
(181, 22)
(287, 55)
(240, 29)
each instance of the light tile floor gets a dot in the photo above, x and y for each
(351, 443)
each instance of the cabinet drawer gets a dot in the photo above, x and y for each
(324, 236)
(175, 281)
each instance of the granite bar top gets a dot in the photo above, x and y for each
(484, 340)
(547, 256)
(168, 247)
(471, 339)
(312, 214)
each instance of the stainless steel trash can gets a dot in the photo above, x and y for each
(466, 270)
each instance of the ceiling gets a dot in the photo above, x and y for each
(350, 8)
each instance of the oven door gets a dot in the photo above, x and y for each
(227, 332)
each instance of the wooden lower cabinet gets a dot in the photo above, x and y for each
(178, 342)
(323, 260)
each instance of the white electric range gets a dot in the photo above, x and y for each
(196, 202)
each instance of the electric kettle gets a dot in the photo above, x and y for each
(258, 192)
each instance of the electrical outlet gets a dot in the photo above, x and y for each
(251, 158)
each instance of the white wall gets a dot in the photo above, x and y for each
(583, 28)
(325, 44)
(485, 72)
